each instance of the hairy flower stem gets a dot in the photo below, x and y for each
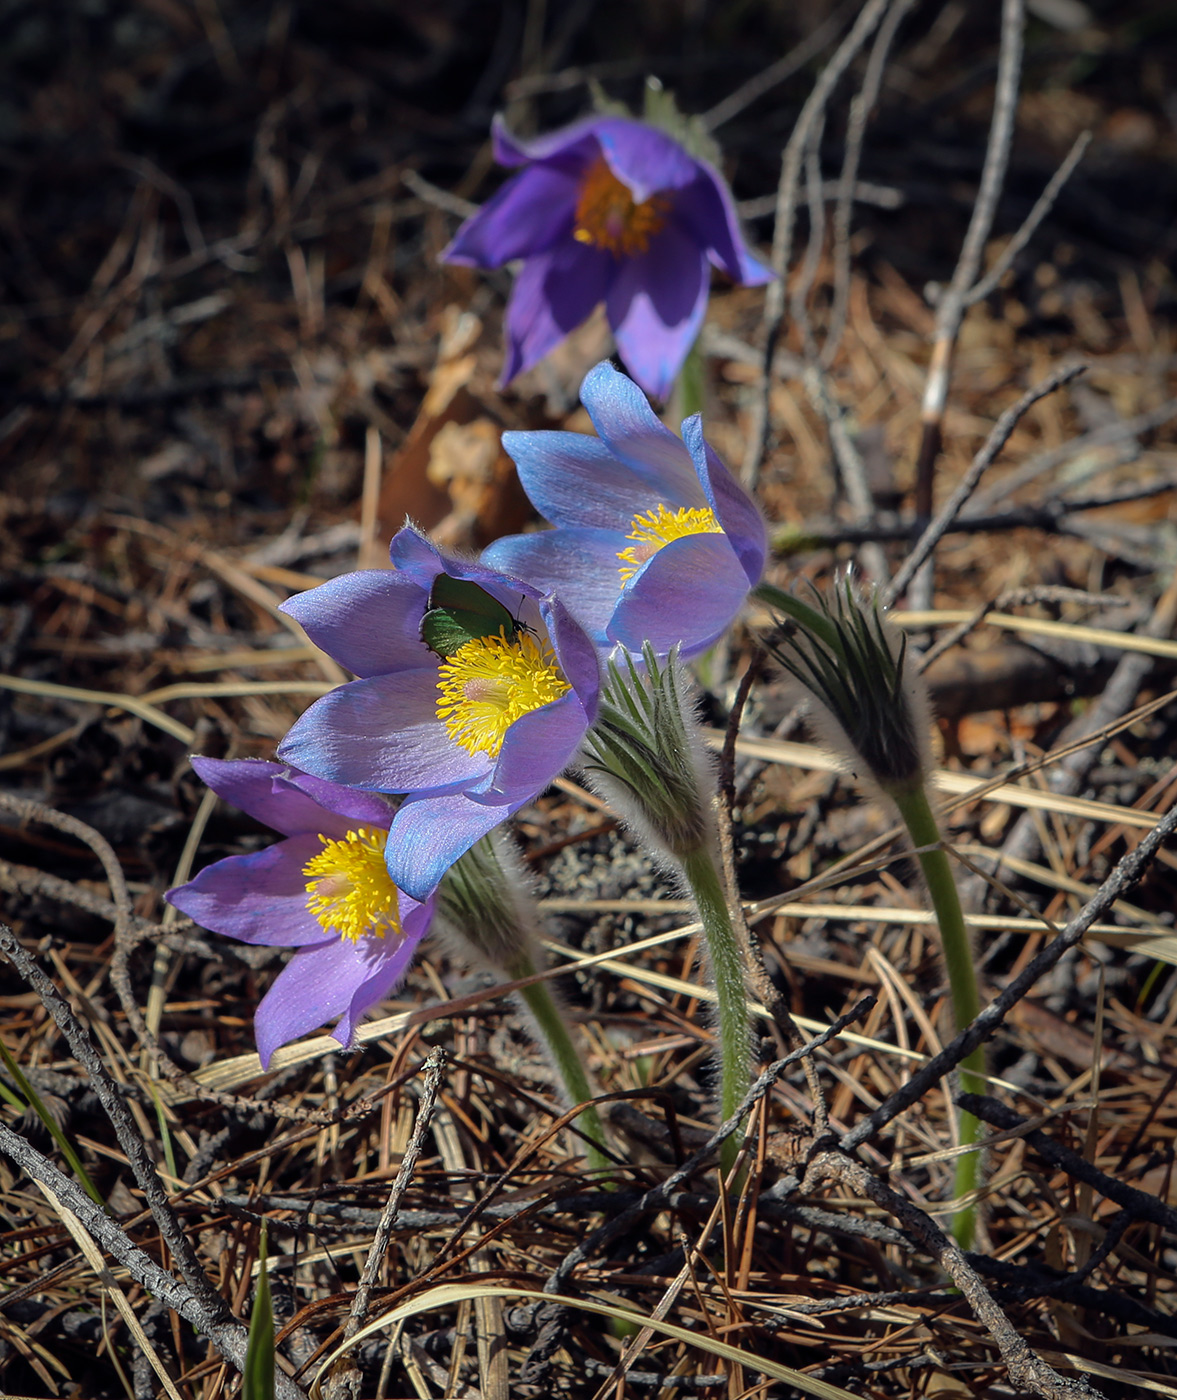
(916, 811)
(554, 1029)
(735, 1063)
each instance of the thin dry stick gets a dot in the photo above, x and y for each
(434, 1068)
(1026, 1368)
(656, 1197)
(345, 1378)
(984, 459)
(860, 110)
(778, 72)
(1106, 436)
(1069, 772)
(83, 1050)
(951, 308)
(227, 1334)
(1126, 873)
(786, 213)
(1045, 203)
(128, 933)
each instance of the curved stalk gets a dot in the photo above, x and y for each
(554, 1029)
(917, 814)
(735, 1061)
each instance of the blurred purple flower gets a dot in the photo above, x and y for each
(655, 540)
(324, 890)
(470, 737)
(608, 209)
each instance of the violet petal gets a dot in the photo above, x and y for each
(686, 594)
(553, 294)
(258, 898)
(656, 307)
(381, 733)
(734, 508)
(531, 212)
(368, 621)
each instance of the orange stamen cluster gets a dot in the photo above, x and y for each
(607, 215)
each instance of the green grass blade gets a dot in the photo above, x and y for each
(257, 1383)
(34, 1102)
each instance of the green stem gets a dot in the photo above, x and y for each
(554, 1030)
(689, 388)
(735, 1066)
(917, 813)
(810, 618)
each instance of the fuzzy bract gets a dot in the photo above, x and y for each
(608, 210)
(322, 890)
(654, 541)
(468, 738)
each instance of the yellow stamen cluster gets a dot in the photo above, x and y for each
(658, 527)
(349, 890)
(490, 682)
(608, 217)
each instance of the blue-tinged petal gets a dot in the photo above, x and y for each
(686, 595)
(632, 432)
(644, 158)
(536, 749)
(734, 508)
(573, 479)
(254, 786)
(316, 985)
(580, 565)
(571, 148)
(258, 898)
(386, 976)
(531, 212)
(368, 621)
(656, 307)
(340, 807)
(575, 652)
(381, 733)
(705, 209)
(553, 294)
(430, 832)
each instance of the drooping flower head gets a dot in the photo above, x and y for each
(474, 692)
(655, 540)
(324, 890)
(608, 209)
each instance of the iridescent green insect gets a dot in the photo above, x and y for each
(459, 612)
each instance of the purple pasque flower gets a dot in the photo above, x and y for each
(655, 540)
(468, 737)
(608, 209)
(324, 890)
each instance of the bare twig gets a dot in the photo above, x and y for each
(1026, 1369)
(346, 1369)
(1138, 1204)
(1039, 212)
(860, 110)
(951, 307)
(778, 72)
(786, 211)
(83, 1050)
(952, 507)
(1126, 873)
(1105, 436)
(227, 1334)
(1067, 775)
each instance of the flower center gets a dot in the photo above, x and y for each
(349, 889)
(658, 527)
(490, 682)
(608, 217)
